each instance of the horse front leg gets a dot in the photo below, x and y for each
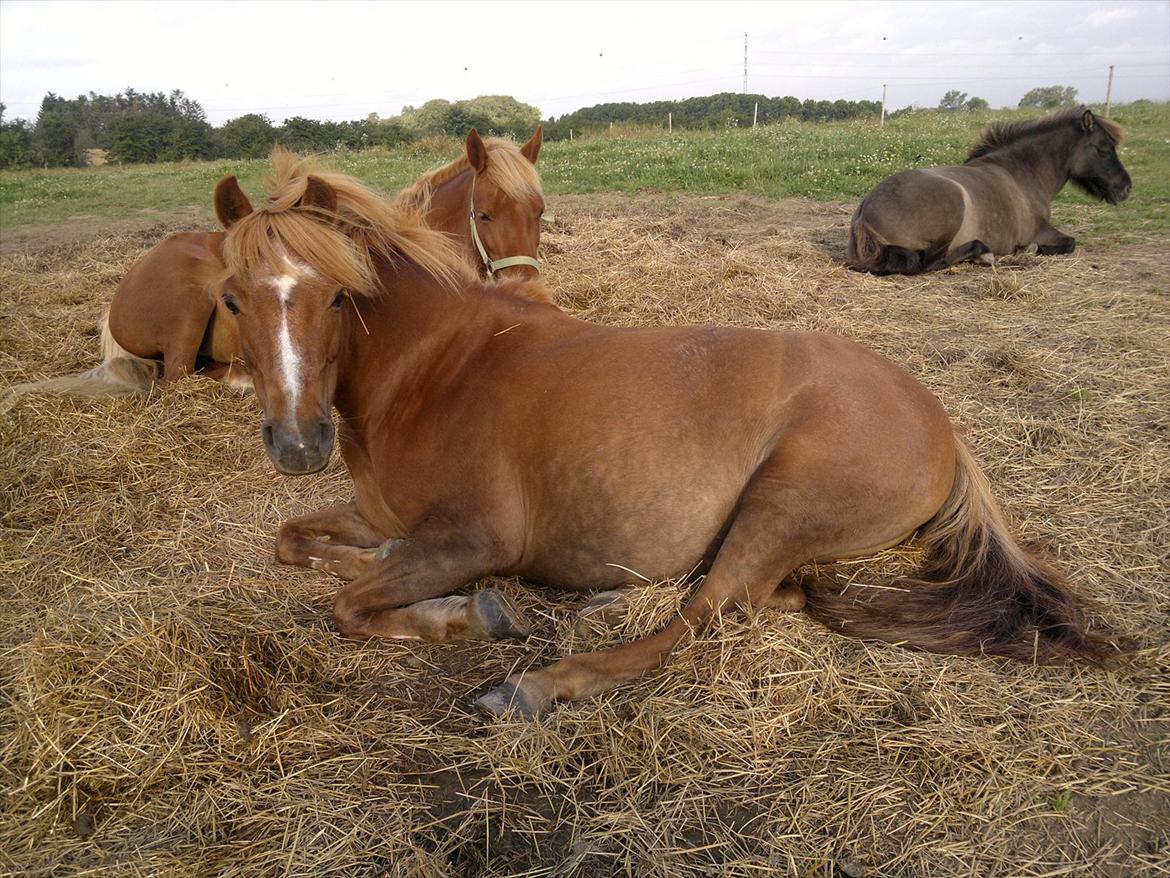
(336, 539)
(1050, 241)
(401, 596)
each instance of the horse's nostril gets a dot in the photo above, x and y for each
(269, 441)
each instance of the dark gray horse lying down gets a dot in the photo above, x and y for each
(998, 202)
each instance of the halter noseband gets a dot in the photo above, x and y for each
(495, 265)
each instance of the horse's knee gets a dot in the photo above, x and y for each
(288, 540)
(348, 618)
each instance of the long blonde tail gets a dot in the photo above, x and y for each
(120, 372)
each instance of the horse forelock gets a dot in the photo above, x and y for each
(998, 135)
(507, 169)
(343, 244)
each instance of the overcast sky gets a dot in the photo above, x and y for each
(344, 60)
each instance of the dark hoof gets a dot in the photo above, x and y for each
(387, 547)
(605, 611)
(498, 617)
(508, 700)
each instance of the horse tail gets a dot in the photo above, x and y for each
(978, 593)
(867, 252)
(119, 372)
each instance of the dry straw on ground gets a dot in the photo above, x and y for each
(175, 702)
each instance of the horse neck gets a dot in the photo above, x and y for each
(450, 205)
(415, 333)
(1039, 163)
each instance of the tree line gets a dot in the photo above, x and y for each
(724, 110)
(145, 127)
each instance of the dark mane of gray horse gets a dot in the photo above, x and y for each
(1000, 134)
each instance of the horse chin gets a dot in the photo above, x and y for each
(285, 471)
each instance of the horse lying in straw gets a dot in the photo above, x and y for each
(996, 203)
(488, 432)
(162, 319)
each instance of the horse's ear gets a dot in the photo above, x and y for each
(477, 153)
(1087, 120)
(318, 194)
(231, 204)
(531, 150)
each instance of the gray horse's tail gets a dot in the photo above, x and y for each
(119, 372)
(868, 253)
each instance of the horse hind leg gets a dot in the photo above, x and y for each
(971, 250)
(755, 556)
(899, 260)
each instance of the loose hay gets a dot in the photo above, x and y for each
(175, 702)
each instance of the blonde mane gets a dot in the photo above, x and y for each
(342, 244)
(507, 169)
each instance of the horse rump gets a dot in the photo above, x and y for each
(979, 592)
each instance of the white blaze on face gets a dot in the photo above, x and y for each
(287, 353)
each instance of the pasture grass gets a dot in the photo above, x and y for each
(828, 161)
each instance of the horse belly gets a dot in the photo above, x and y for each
(593, 541)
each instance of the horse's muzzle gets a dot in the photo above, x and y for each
(298, 449)
(1119, 195)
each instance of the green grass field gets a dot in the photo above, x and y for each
(823, 161)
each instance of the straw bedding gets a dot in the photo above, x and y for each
(174, 702)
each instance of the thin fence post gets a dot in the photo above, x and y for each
(570, 135)
(1109, 92)
(755, 114)
(670, 121)
(882, 123)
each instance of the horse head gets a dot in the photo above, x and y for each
(506, 205)
(288, 313)
(1094, 165)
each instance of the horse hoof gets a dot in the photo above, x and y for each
(508, 700)
(604, 611)
(387, 547)
(498, 617)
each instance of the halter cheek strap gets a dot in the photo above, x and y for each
(495, 265)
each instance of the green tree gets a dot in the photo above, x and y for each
(953, 100)
(1050, 97)
(246, 137)
(974, 105)
(54, 135)
(16, 143)
(427, 119)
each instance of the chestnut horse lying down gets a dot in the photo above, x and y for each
(488, 432)
(489, 199)
(997, 203)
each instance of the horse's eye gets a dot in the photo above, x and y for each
(485, 218)
(230, 302)
(338, 300)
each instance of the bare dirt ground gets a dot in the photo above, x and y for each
(175, 702)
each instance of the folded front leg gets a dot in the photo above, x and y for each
(1050, 241)
(336, 539)
(401, 595)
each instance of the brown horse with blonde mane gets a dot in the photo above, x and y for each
(488, 432)
(162, 319)
(996, 203)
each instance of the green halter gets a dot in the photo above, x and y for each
(495, 265)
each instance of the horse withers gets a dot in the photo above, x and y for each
(162, 325)
(487, 432)
(997, 203)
